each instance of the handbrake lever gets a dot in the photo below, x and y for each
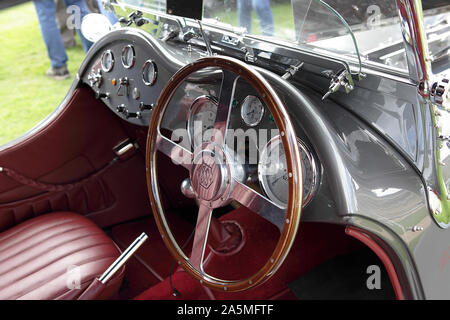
(98, 285)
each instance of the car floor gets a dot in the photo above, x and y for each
(147, 275)
(346, 277)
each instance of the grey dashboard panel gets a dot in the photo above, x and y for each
(128, 94)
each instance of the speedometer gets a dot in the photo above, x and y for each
(201, 119)
(273, 176)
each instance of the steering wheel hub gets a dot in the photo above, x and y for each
(209, 174)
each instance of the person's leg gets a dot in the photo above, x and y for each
(83, 10)
(264, 12)
(45, 10)
(244, 8)
(109, 14)
(67, 35)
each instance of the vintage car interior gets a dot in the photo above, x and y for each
(238, 165)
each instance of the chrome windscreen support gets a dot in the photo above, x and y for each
(205, 39)
(440, 93)
(292, 71)
(343, 79)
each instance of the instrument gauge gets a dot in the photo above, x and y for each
(149, 72)
(107, 61)
(201, 120)
(273, 175)
(252, 111)
(128, 56)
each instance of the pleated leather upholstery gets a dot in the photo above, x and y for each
(54, 256)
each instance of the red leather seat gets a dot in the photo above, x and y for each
(55, 256)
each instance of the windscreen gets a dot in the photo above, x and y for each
(156, 5)
(437, 28)
(332, 25)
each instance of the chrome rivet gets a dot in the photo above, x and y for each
(287, 221)
(417, 228)
(179, 262)
(282, 133)
(271, 260)
(250, 282)
(290, 174)
(201, 281)
(225, 288)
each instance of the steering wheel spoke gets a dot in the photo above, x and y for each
(174, 151)
(258, 203)
(200, 236)
(224, 106)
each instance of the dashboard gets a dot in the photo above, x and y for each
(129, 77)
(128, 80)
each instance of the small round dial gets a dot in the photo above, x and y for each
(149, 73)
(202, 117)
(252, 110)
(128, 56)
(273, 175)
(107, 61)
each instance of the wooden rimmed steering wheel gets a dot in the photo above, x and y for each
(213, 178)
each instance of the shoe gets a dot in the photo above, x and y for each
(60, 73)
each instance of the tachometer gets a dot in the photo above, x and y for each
(252, 111)
(273, 176)
(128, 56)
(201, 119)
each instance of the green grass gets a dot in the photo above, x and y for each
(282, 17)
(26, 94)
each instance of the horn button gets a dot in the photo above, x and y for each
(210, 176)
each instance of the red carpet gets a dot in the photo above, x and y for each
(315, 243)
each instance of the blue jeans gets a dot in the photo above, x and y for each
(46, 11)
(109, 14)
(263, 11)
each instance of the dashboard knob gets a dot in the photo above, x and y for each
(143, 106)
(95, 78)
(122, 108)
(123, 81)
(123, 86)
(100, 95)
(129, 114)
